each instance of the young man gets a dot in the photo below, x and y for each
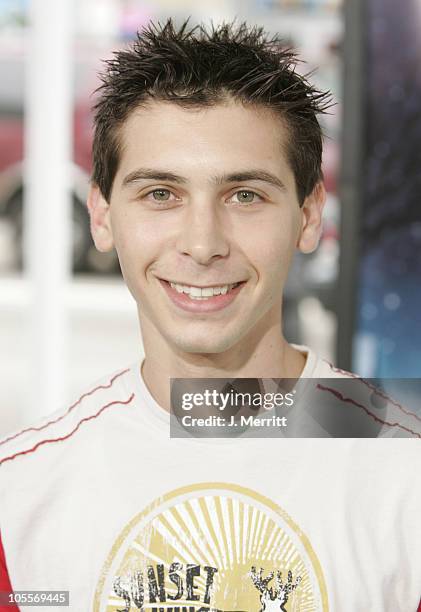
(207, 177)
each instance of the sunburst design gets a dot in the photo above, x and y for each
(224, 531)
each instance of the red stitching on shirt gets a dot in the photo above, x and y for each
(375, 389)
(107, 386)
(94, 416)
(349, 400)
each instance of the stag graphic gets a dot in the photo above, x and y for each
(273, 599)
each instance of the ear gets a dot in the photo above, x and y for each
(99, 212)
(311, 219)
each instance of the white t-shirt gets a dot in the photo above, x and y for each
(99, 501)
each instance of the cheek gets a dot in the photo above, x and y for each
(138, 242)
(269, 247)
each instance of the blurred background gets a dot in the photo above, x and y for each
(356, 300)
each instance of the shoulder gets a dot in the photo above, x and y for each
(101, 396)
(317, 367)
(365, 408)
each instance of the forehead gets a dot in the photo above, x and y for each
(218, 138)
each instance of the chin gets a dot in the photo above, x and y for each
(204, 345)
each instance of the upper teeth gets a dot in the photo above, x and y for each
(199, 292)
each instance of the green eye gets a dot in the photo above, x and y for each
(245, 196)
(161, 195)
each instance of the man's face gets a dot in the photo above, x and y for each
(203, 200)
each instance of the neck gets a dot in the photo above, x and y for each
(264, 354)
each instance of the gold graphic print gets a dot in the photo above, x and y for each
(211, 547)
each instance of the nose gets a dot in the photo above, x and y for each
(203, 235)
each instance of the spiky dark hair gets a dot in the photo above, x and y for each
(199, 67)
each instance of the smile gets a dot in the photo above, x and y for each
(201, 299)
(203, 293)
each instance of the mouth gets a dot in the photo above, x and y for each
(201, 299)
(203, 293)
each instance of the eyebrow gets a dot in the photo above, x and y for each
(235, 177)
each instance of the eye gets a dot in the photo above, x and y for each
(246, 196)
(160, 198)
(160, 195)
